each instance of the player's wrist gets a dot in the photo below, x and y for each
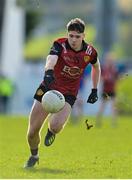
(49, 72)
(94, 90)
(48, 77)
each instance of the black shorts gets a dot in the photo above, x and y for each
(108, 95)
(42, 90)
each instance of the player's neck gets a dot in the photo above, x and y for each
(79, 48)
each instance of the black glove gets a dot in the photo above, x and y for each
(93, 97)
(49, 77)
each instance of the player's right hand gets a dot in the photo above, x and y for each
(49, 77)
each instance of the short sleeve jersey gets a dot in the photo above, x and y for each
(70, 65)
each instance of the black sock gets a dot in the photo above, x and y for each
(34, 152)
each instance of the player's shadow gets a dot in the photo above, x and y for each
(50, 171)
(53, 171)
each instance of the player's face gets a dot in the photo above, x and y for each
(75, 40)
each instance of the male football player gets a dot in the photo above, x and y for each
(64, 67)
(109, 78)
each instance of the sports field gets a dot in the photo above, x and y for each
(76, 153)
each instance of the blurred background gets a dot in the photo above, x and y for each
(27, 30)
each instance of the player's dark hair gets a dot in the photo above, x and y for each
(76, 25)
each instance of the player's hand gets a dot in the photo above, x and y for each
(49, 77)
(93, 97)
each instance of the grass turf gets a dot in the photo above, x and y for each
(76, 153)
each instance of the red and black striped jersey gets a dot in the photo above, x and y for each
(70, 65)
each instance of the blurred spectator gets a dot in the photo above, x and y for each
(109, 77)
(6, 91)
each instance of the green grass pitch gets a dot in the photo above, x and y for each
(76, 153)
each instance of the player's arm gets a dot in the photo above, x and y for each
(51, 61)
(95, 75)
(49, 69)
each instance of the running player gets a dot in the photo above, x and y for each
(64, 67)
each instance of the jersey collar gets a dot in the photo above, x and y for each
(84, 46)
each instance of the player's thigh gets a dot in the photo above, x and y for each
(37, 116)
(61, 117)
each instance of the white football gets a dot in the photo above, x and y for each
(53, 101)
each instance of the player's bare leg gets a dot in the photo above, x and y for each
(56, 123)
(36, 119)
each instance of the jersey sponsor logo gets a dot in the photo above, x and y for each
(73, 71)
(67, 58)
(72, 59)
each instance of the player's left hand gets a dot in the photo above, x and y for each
(93, 97)
(49, 78)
